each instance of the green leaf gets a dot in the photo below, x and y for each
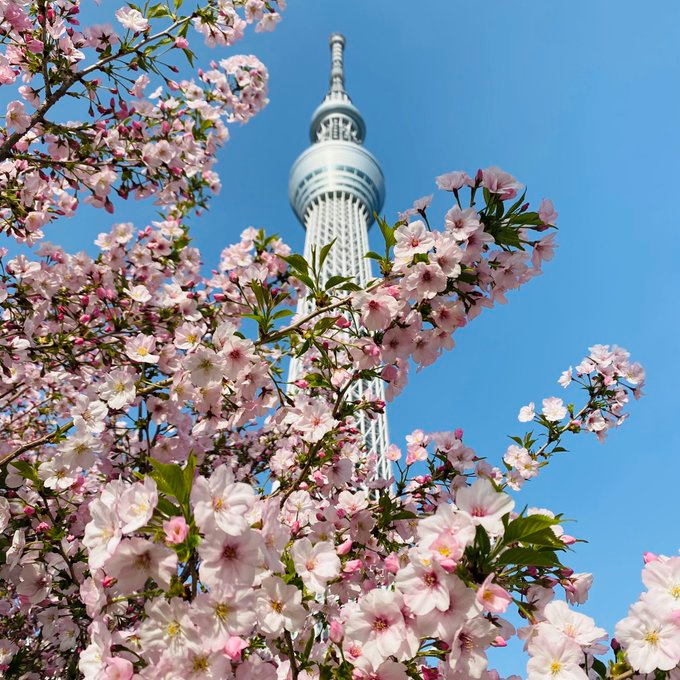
(522, 528)
(404, 514)
(324, 252)
(482, 542)
(529, 218)
(508, 236)
(325, 323)
(306, 280)
(188, 54)
(261, 294)
(297, 262)
(335, 281)
(171, 481)
(157, 11)
(599, 668)
(372, 255)
(517, 203)
(26, 470)
(282, 313)
(188, 473)
(350, 286)
(387, 232)
(528, 557)
(167, 508)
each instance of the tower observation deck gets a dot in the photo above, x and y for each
(335, 187)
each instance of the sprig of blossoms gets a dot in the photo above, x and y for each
(608, 377)
(126, 144)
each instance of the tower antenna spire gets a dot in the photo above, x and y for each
(337, 43)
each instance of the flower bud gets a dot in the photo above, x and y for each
(344, 547)
(176, 530)
(392, 563)
(235, 645)
(352, 566)
(336, 631)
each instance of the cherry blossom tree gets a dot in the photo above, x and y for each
(171, 507)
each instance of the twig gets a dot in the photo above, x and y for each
(321, 310)
(65, 428)
(294, 671)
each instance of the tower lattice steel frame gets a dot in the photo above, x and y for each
(335, 187)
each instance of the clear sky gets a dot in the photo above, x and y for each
(580, 101)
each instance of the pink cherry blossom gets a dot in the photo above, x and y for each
(554, 409)
(485, 505)
(316, 564)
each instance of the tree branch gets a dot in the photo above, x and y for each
(52, 98)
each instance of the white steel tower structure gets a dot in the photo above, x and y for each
(335, 187)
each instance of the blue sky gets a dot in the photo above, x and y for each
(580, 101)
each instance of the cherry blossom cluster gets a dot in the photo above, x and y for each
(608, 377)
(435, 280)
(129, 143)
(172, 511)
(649, 637)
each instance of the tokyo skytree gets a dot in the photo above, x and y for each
(335, 187)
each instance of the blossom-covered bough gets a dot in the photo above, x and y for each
(168, 510)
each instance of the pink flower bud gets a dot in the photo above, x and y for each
(84, 318)
(649, 557)
(448, 565)
(336, 631)
(176, 530)
(352, 566)
(344, 547)
(392, 563)
(235, 645)
(498, 641)
(108, 581)
(342, 322)
(567, 540)
(181, 43)
(43, 526)
(28, 510)
(458, 433)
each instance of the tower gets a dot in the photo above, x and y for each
(335, 187)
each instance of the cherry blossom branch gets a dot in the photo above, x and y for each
(52, 98)
(36, 442)
(294, 671)
(63, 429)
(312, 315)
